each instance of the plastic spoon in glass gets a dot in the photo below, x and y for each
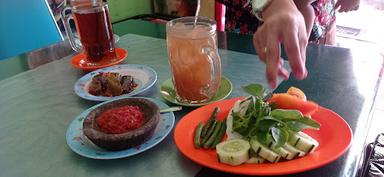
(197, 13)
(171, 109)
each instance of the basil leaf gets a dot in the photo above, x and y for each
(287, 114)
(263, 137)
(251, 107)
(240, 124)
(296, 126)
(266, 124)
(280, 136)
(271, 118)
(255, 90)
(310, 122)
(263, 121)
(301, 124)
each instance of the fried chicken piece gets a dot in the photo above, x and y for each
(111, 84)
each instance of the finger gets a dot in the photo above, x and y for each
(337, 5)
(347, 9)
(343, 9)
(259, 45)
(340, 8)
(272, 59)
(282, 72)
(303, 42)
(292, 48)
(261, 51)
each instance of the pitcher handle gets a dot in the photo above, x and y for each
(214, 61)
(65, 19)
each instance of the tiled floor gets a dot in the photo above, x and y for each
(356, 31)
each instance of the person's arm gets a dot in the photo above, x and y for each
(347, 5)
(305, 7)
(283, 24)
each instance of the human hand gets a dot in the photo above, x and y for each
(347, 5)
(283, 24)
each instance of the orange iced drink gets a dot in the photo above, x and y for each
(194, 59)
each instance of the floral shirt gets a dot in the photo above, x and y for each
(325, 17)
(239, 19)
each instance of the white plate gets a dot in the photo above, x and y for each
(143, 75)
(82, 147)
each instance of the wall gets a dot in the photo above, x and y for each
(122, 9)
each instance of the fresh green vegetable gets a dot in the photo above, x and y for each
(280, 135)
(233, 152)
(255, 160)
(210, 132)
(198, 130)
(303, 142)
(288, 147)
(268, 133)
(295, 120)
(210, 122)
(213, 130)
(257, 119)
(281, 151)
(263, 151)
(255, 90)
(284, 153)
(286, 114)
(214, 135)
(303, 123)
(220, 135)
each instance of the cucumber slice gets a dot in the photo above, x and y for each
(230, 133)
(282, 152)
(243, 105)
(264, 151)
(303, 142)
(290, 148)
(233, 152)
(255, 160)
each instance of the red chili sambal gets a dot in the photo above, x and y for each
(121, 119)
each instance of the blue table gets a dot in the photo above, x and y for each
(37, 106)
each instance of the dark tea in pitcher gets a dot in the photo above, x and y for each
(96, 35)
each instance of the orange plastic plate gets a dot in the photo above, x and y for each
(80, 61)
(334, 138)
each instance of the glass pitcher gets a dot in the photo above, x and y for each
(193, 58)
(94, 28)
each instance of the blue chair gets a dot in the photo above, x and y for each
(26, 25)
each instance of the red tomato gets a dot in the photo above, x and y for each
(287, 101)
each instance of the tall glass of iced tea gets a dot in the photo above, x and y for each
(193, 58)
(94, 28)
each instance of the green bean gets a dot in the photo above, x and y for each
(220, 135)
(210, 122)
(198, 130)
(210, 132)
(212, 138)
